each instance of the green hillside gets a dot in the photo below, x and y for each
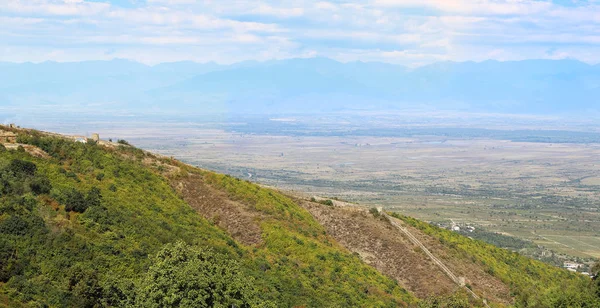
(89, 225)
(94, 226)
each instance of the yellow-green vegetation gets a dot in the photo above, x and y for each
(532, 283)
(298, 253)
(93, 226)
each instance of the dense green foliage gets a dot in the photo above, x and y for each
(524, 247)
(533, 283)
(77, 230)
(497, 239)
(181, 276)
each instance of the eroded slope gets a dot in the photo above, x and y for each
(390, 251)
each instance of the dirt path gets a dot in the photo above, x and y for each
(458, 280)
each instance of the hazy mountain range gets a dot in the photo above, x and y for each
(302, 85)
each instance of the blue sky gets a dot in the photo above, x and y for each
(408, 32)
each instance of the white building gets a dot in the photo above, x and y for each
(572, 266)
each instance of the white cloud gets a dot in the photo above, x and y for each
(19, 21)
(172, 2)
(263, 9)
(398, 31)
(322, 5)
(486, 7)
(49, 7)
(185, 19)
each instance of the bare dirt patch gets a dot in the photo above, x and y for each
(236, 218)
(33, 150)
(382, 246)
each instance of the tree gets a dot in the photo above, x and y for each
(20, 177)
(9, 264)
(84, 287)
(74, 201)
(40, 185)
(93, 198)
(184, 276)
(15, 225)
(21, 167)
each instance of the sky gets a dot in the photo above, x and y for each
(407, 32)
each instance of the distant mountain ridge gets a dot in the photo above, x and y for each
(307, 86)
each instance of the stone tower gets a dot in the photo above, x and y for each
(95, 137)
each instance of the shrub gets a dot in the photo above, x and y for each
(40, 185)
(84, 287)
(9, 265)
(374, 212)
(327, 202)
(100, 176)
(74, 201)
(14, 225)
(21, 167)
(94, 197)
